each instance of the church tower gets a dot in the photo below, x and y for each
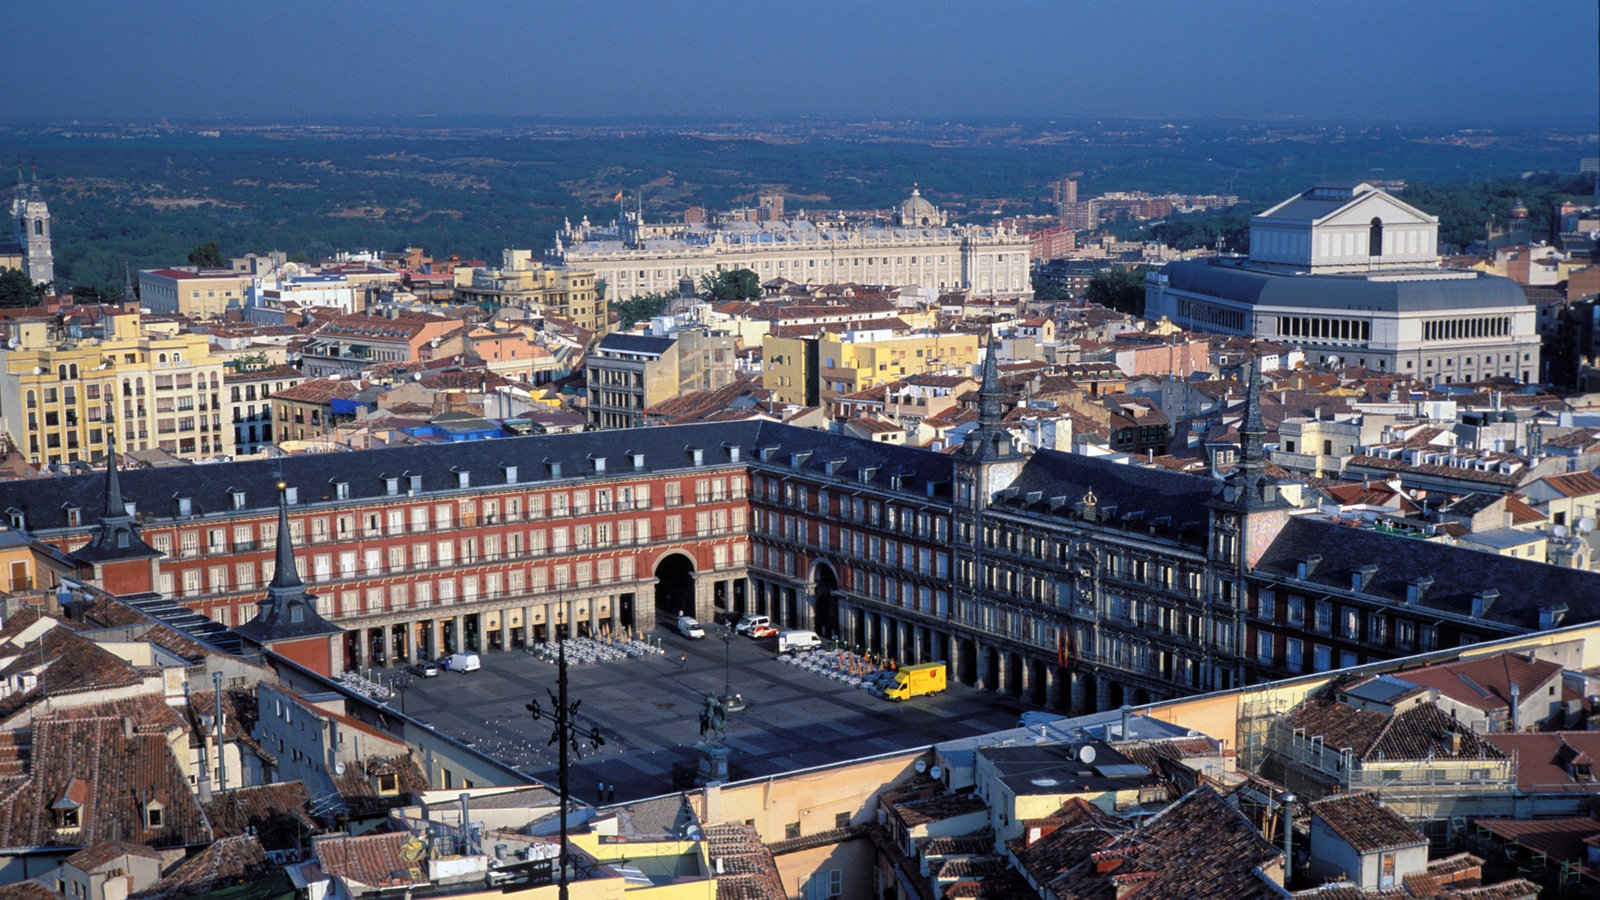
(30, 217)
(116, 557)
(988, 460)
(287, 621)
(1248, 511)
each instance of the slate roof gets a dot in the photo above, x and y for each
(1157, 493)
(622, 342)
(1341, 292)
(1524, 585)
(1367, 827)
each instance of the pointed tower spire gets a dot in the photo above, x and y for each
(127, 283)
(115, 505)
(1252, 433)
(286, 579)
(990, 441)
(116, 553)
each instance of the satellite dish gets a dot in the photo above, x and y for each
(338, 768)
(936, 772)
(1086, 754)
(921, 766)
(1586, 525)
(1560, 531)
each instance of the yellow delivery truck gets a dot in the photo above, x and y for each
(914, 681)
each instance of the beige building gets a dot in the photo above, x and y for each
(628, 374)
(523, 281)
(813, 370)
(56, 391)
(193, 292)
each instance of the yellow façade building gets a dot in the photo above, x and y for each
(165, 390)
(812, 370)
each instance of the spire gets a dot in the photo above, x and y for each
(1252, 433)
(990, 411)
(286, 579)
(127, 282)
(115, 505)
(990, 441)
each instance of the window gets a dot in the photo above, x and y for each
(1324, 616)
(791, 831)
(1322, 658)
(1267, 605)
(1295, 655)
(1297, 611)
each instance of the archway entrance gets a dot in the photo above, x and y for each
(967, 665)
(1040, 679)
(675, 586)
(825, 604)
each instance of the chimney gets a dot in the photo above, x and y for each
(1307, 567)
(1417, 588)
(1362, 576)
(1516, 710)
(1455, 743)
(1482, 601)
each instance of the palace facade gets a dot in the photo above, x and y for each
(918, 246)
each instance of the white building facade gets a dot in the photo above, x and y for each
(1351, 275)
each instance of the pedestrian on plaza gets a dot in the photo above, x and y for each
(683, 662)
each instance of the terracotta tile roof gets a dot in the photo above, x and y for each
(938, 808)
(228, 862)
(1486, 683)
(71, 665)
(1418, 733)
(91, 858)
(1367, 827)
(27, 890)
(371, 860)
(1049, 847)
(1544, 761)
(319, 390)
(749, 871)
(119, 773)
(274, 813)
(1575, 484)
(358, 788)
(149, 713)
(1198, 846)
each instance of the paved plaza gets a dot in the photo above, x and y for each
(647, 710)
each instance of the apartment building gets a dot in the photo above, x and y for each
(57, 392)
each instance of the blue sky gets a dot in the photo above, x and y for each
(1364, 60)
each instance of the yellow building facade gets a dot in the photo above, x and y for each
(810, 371)
(165, 391)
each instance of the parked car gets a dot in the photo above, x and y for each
(425, 669)
(689, 627)
(750, 622)
(763, 631)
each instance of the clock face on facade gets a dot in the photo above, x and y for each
(1230, 493)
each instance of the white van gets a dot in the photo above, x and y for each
(798, 639)
(463, 662)
(689, 627)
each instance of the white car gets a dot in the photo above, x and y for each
(750, 623)
(689, 627)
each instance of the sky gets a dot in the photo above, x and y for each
(1463, 61)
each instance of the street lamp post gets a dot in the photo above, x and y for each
(729, 701)
(566, 737)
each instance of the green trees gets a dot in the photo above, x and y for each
(735, 284)
(1119, 289)
(642, 307)
(17, 290)
(207, 256)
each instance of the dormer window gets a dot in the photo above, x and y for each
(68, 806)
(511, 474)
(291, 495)
(74, 514)
(152, 814)
(638, 461)
(236, 498)
(463, 478)
(185, 505)
(415, 483)
(388, 783)
(391, 485)
(341, 490)
(17, 518)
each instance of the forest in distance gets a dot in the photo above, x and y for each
(145, 196)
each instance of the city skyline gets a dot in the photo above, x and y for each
(1377, 62)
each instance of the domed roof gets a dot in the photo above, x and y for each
(916, 210)
(1518, 210)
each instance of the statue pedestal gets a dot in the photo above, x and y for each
(713, 762)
